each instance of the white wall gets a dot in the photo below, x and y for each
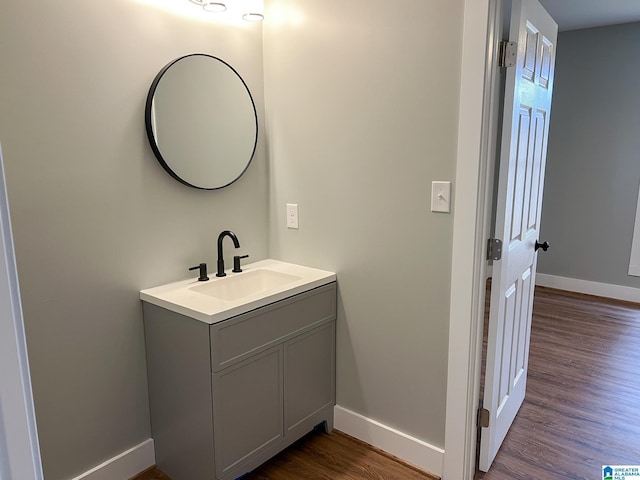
(95, 217)
(362, 100)
(593, 165)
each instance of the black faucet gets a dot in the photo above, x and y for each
(236, 243)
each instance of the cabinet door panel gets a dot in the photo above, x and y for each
(309, 374)
(247, 408)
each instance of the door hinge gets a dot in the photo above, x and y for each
(494, 249)
(507, 54)
(483, 417)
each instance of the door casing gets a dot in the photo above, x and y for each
(19, 447)
(477, 142)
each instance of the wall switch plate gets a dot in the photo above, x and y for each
(292, 215)
(441, 197)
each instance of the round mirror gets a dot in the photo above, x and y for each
(201, 121)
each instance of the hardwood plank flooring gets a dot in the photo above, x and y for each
(582, 408)
(336, 456)
(153, 473)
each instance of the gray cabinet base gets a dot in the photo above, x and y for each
(325, 417)
(227, 397)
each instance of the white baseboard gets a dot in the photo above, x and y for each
(125, 465)
(408, 448)
(618, 292)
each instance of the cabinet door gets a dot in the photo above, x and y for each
(309, 372)
(247, 409)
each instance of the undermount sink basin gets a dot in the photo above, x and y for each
(233, 288)
(259, 284)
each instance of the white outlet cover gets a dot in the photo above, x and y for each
(441, 197)
(292, 215)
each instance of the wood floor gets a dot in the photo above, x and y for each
(319, 456)
(337, 456)
(152, 473)
(582, 408)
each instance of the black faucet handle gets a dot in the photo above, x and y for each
(203, 272)
(236, 263)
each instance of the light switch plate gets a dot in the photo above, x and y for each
(441, 197)
(292, 215)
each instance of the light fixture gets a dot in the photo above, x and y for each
(253, 17)
(253, 10)
(214, 7)
(210, 6)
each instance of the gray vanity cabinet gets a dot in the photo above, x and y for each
(228, 396)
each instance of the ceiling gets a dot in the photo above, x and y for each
(576, 14)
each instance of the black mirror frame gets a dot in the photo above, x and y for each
(149, 126)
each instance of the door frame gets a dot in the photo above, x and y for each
(477, 144)
(19, 448)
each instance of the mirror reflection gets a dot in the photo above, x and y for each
(201, 121)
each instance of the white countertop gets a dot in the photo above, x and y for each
(180, 297)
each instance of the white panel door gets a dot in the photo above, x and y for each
(527, 107)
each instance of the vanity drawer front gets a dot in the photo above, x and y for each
(239, 337)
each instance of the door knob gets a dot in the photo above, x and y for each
(544, 246)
